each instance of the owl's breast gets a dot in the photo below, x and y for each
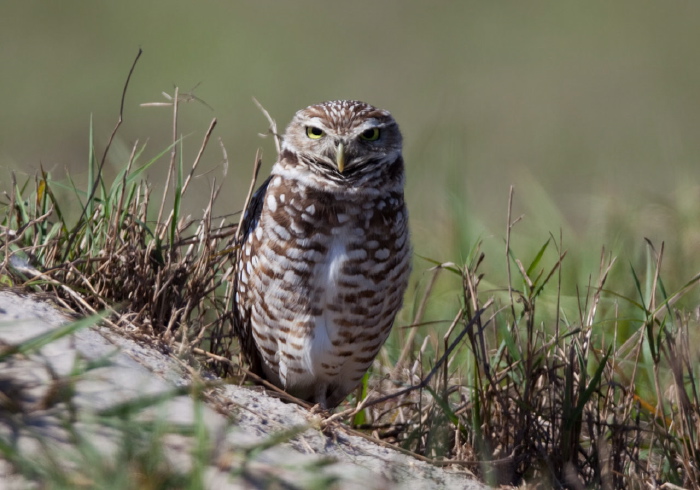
(357, 287)
(329, 274)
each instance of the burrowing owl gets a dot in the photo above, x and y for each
(324, 257)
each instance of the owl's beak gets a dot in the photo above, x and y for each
(340, 157)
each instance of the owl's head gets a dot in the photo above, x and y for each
(343, 138)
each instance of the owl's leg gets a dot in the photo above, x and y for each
(320, 395)
(282, 374)
(336, 396)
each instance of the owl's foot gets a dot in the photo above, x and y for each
(318, 409)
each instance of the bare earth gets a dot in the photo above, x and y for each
(236, 417)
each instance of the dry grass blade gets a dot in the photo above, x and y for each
(418, 318)
(273, 125)
(256, 170)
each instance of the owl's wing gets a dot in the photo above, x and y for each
(252, 214)
(241, 310)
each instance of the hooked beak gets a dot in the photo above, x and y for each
(340, 157)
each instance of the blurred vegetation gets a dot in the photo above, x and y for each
(590, 109)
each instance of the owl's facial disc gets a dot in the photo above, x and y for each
(343, 138)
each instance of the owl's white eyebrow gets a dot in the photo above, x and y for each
(372, 123)
(316, 121)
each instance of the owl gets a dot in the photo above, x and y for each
(324, 257)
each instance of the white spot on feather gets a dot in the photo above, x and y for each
(358, 254)
(282, 232)
(272, 203)
(382, 254)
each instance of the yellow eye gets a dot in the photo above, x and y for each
(371, 134)
(314, 133)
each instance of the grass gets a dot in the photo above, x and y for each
(561, 398)
(538, 380)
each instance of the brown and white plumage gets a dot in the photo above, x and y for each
(325, 256)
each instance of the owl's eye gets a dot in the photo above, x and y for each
(371, 134)
(314, 133)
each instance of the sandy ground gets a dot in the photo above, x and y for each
(237, 418)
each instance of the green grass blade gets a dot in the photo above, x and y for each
(449, 413)
(638, 287)
(360, 418)
(536, 261)
(178, 199)
(39, 341)
(586, 395)
(138, 172)
(131, 407)
(442, 265)
(91, 170)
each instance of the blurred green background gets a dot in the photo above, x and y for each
(591, 109)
